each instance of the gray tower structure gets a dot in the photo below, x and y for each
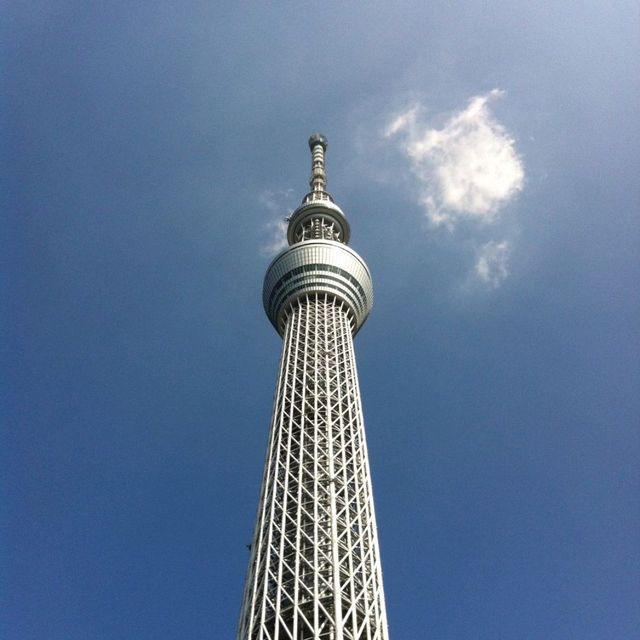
(314, 572)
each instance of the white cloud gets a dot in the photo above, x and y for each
(276, 237)
(403, 121)
(278, 203)
(468, 169)
(492, 263)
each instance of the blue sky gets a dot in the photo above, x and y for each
(487, 157)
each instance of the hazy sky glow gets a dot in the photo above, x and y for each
(487, 158)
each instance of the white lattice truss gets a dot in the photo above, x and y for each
(314, 572)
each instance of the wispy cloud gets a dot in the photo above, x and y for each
(468, 169)
(280, 205)
(276, 237)
(492, 263)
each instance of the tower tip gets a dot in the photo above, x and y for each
(317, 138)
(318, 145)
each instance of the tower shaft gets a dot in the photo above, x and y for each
(315, 572)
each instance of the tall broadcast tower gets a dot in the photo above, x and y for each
(314, 572)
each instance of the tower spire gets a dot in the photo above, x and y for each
(318, 216)
(318, 145)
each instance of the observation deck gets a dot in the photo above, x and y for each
(318, 266)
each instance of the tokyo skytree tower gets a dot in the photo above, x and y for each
(314, 572)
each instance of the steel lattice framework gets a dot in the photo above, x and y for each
(314, 572)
